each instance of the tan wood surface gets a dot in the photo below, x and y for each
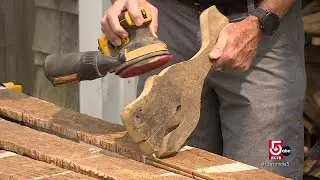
(312, 23)
(81, 158)
(14, 166)
(46, 116)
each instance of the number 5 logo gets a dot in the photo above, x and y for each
(275, 147)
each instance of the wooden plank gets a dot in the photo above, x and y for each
(14, 166)
(113, 137)
(78, 157)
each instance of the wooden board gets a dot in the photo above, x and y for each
(14, 166)
(165, 114)
(81, 158)
(67, 123)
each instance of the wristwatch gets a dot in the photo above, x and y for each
(269, 21)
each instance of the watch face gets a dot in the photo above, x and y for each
(270, 23)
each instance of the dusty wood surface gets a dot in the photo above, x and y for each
(14, 166)
(81, 158)
(168, 110)
(65, 122)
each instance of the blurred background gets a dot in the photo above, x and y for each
(32, 29)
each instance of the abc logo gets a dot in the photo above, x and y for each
(286, 150)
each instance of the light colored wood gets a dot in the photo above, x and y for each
(315, 41)
(77, 157)
(66, 123)
(312, 24)
(168, 109)
(14, 166)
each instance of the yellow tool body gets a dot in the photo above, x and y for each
(127, 23)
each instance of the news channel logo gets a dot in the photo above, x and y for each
(277, 150)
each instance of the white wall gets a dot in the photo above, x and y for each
(102, 98)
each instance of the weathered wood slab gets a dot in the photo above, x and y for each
(168, 109)
(81, 158)
(50, 117)
(14, 166)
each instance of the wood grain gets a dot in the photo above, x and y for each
(46, 116)
(14, 166)
(77, 157)
(168, 109)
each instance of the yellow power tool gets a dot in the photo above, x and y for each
(141, 52)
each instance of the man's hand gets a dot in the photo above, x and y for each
(237, 45)
(110, 24)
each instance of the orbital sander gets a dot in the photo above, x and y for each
(141, 52)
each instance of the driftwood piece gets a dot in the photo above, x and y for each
(14, 166)
(81, 158)
(190, 162)
(168, 109)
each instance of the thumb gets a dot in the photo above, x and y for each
(218, 48)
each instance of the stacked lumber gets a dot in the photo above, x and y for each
(61, 142)
(311, 21)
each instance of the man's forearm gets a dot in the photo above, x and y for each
(279, 7)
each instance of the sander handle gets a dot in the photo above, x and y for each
(75, 67)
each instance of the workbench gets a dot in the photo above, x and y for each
(40, 140)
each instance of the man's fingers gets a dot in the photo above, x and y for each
(113, 20)
(135, 13)
(218, 48)
(154, 22)
(112, 37)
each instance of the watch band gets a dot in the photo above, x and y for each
(260, 13)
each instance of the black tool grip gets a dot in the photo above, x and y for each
(72, 67)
